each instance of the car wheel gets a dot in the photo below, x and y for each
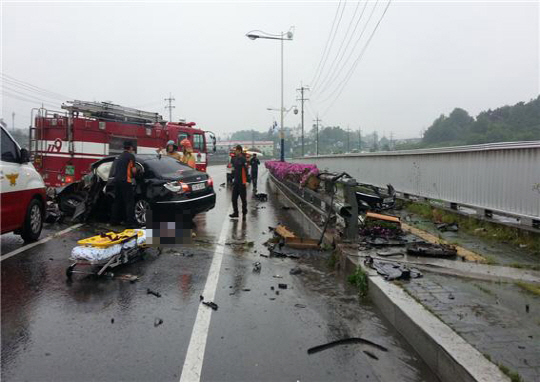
(33, 221)
(141, 209)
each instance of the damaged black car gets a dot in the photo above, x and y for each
(163, 186)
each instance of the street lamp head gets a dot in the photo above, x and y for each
(296, 111)
(252, 36)
(289, 35)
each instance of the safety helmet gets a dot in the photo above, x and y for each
(185, 143)
(170, 142)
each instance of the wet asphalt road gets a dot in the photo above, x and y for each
(104, 329)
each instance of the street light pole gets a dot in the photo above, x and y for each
(282, 127)
(282, 37)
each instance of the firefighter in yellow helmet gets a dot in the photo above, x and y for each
(187, 156)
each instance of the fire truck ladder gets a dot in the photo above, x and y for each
(113, 112)
(36, 138)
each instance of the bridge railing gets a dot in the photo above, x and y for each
(497, 178)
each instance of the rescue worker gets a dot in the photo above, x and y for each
(254, 163)
(187, 156)
(124, 172)
(170, 150)
(240, 174)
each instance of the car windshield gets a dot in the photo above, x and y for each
(167, 167)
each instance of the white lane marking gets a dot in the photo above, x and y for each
(46, 239)
(191, 371)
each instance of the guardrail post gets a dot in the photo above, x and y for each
(351, 231)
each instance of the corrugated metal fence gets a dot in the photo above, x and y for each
(500, 177)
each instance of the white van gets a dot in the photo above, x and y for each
(22, 193)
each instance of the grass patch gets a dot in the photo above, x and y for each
(530, 287)
(524, 266)
(360, 280)
(333, 260)
(470, 225)
(514, 376)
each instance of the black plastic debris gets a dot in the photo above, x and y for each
(256, 267)
(246, 289)
(211, 305)
(157, 322)
(295, 271)
(385, 242)
(391, 271)
(262, 197)
(300, 305)
(426, 249)
(154, 293)
(448, 226)
(370, 355)
(112, 320)
(345, 341)
(271, 287)
(282, 285)
(201, 298)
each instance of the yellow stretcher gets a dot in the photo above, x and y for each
(109, 239)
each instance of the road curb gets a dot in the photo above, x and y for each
(449, 356)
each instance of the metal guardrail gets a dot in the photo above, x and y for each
(322, 203)
(498, 178)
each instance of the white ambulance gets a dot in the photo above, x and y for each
(22, 193)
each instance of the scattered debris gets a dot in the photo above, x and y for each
(282, 285)
(300, 306)
(295, 271)
(284, 232)
(271, 287)
(246, 289)
(157, 322)
(261, 197)
(448, 226)
(277, 276)
(201, 298)
(256, 267)
(264, 255)
(370, 355)
(345, 341)
(112, 320)
(384, 242)
(381, 217)
(391, 271)
(301, 243)
(426, 249)
(526, 308)
(451, 296)
(211, 305)
(390, 253)
(154, 293)
(272, 298)
(287, 208)
(277, 292)
(480, 230)
(128, 277)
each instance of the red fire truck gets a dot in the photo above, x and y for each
(64, 144)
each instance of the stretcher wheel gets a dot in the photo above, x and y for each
(69, 270)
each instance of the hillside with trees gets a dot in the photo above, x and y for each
(505, 124)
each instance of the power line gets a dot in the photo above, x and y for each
(335, 72)
(38, 97)
(342, 85)
(351, 53)
(330, 69)
(32, 87)
(34, 102)
(324, 58)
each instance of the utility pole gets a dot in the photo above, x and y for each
(169, 107)
(12, 120)
(348, 139)
(359, 139)
(391, 140)
(317, 121)
(302, 99)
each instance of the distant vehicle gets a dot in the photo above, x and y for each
(63, 145)
(23, 191)
(162, 184)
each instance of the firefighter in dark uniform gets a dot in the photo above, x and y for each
(240, 173)
(124, 201)
(254, 163)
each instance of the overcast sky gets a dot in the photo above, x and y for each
(424, 59)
